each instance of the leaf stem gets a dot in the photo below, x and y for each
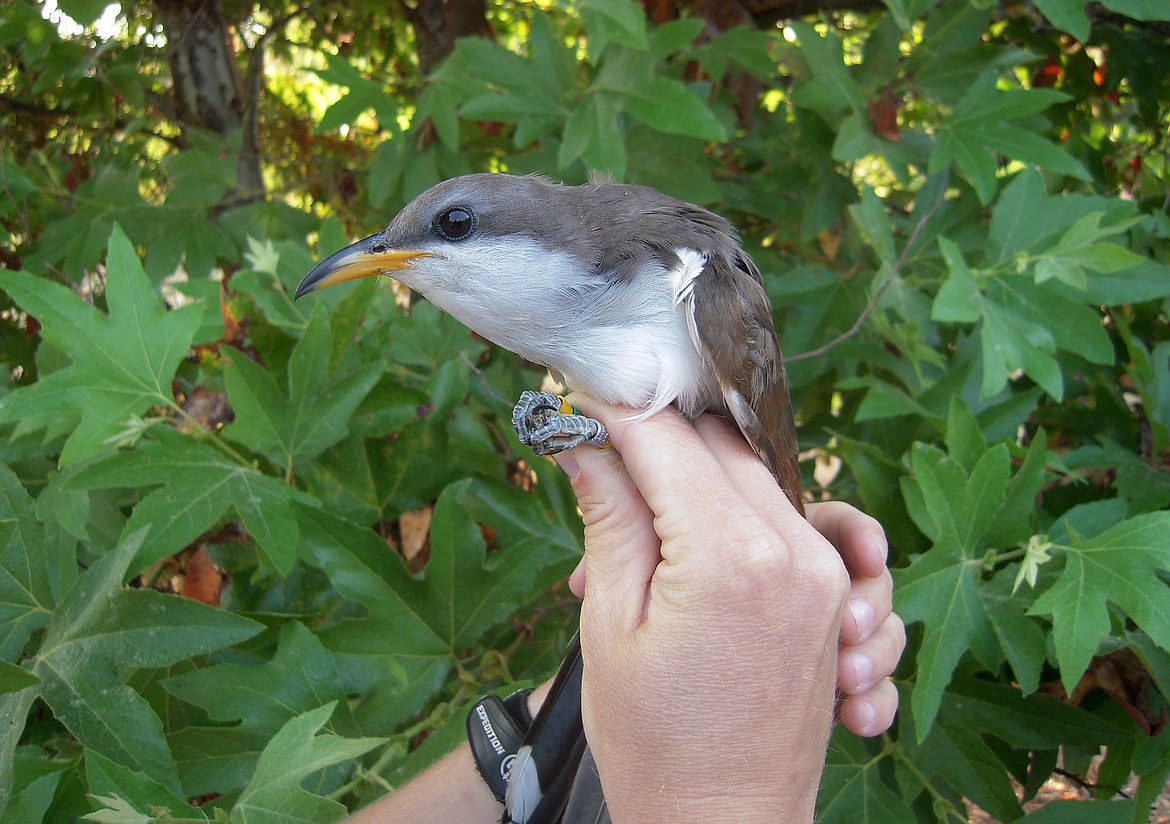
(891, 274)
(198, 430)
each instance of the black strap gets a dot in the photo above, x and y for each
(495, 730)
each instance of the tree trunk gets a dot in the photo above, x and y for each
(209, 92)
(438, 24)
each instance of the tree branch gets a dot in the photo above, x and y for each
(895, 270)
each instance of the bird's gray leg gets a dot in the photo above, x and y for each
(547, 423)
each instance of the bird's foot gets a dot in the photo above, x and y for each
(549, 424)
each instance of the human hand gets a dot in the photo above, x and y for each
(710, 624)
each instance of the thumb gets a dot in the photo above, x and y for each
(622, 548)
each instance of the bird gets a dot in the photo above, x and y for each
(627, 294)
(630, 295)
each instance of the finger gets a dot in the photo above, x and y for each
(751, 478)
(870, 603)
(861, 667)
(668, 463)
(871, 712)
(621, 546)
(577, 579)
(859, 538)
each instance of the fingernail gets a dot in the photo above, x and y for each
(862, 613)
(862, 670)
(868, 716)
(878, 539)
(568, 464)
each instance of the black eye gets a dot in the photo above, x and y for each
(456, 223)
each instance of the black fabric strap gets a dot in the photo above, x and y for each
(495, 730)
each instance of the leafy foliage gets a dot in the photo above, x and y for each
(960, 209)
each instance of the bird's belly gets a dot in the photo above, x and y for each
(646, 367)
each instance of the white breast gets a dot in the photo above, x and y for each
(629, 342)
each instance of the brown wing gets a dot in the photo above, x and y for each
(730, 307)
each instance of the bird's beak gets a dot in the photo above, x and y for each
(369, 256)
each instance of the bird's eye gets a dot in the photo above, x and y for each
(456, 223)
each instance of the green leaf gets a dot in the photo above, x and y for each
(906, 12)
(465, 594)
(852, 787)
(15, 679)
(83, 12)
(1035, 722)
(362, 95)
(301, 676)
(1027, 220)
(215, 760)
(940, 588)
(964, 439)
(415, 629)
(1012, 341)
(613, 21)
(958, 300)
(978, 128)
(256, 700)
(1139, 9)
(14, 708)
(198, 486)
(661, 102)
(1067, 15)
(592, 134)
(440, 101)
(275, 795)
(941, 592)
(1119, 566)
(122, 363)
(136, 790)
(26, 600)
(871, 219)
(675, 35)
(967, 763)
(294, 423)
(959, 508)
(1060, 811)
(272, 274)
(33, 802)
(832, 87)
(99, 635)
(742, 47)
(1081, 250)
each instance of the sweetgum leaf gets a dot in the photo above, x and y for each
(122, 362)
(293, 423)
(26, 600)
(1119, 566)
(136, 790)
(301, 676)
(275, 795)
(198, 485)
(99, 635)
(940, 588)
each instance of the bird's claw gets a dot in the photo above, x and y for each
(548, 424)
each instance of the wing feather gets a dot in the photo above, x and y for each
(732, 322)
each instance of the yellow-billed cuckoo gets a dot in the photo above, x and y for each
(627, 294)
